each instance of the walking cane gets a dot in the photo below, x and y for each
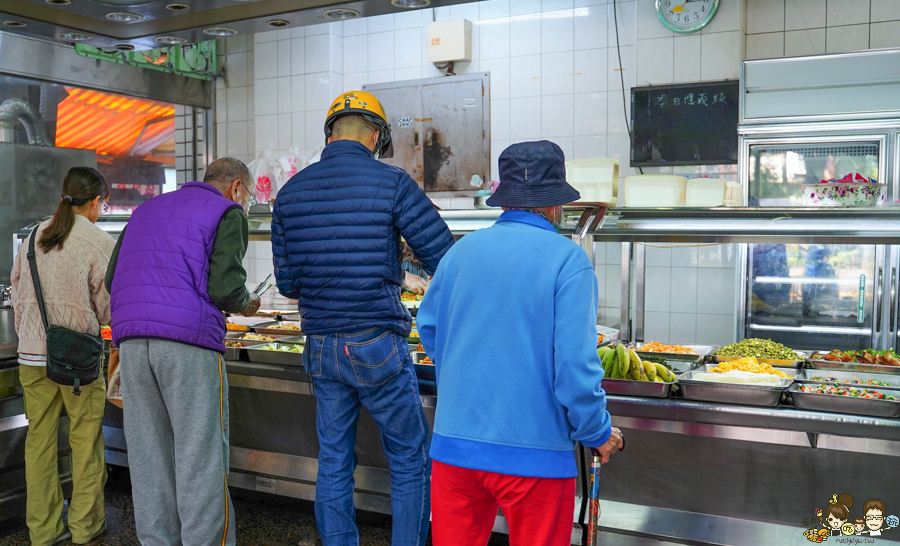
(594, 499)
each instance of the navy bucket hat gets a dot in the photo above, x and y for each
(533, 175)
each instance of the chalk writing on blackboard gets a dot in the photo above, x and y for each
(691, 99)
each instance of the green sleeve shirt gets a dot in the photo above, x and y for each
(227, 276)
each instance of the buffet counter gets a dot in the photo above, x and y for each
(738, 474)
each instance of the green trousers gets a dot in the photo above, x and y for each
(44, 401)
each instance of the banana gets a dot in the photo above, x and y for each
(641, 374)
(657, 379)
(650, 370)
(625, 366)
(602, 351)
(662, 372)
(621, 353)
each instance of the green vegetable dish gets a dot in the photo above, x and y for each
(759, 348)
(283, 348)
(846, 391)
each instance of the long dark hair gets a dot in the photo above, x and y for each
(82, 184)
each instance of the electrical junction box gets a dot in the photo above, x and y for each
(449, 41)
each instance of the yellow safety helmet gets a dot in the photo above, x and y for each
(366, 105)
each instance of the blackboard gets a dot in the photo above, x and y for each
(690, 124)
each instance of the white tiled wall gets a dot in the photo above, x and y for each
(791, 28)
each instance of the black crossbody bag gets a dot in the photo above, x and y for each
(73, 358)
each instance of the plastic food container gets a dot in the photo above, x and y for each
(712, 192)
(844, 195)
(654, 190)
(596, 179)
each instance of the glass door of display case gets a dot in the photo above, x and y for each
(778, 168)
(813, 295)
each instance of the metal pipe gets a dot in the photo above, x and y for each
(17, 110)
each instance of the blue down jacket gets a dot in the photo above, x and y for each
(336, 231)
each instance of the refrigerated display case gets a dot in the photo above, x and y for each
(800, 125)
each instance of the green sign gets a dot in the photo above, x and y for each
(862, 299)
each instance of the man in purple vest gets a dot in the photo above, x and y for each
(174, 271)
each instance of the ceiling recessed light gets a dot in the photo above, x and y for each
(278, 23)
(341, 14)
(219, 31)
(125, 47)
(169, 40)
(410, 3)
(178, 7)
(59, 2)
(15, 24)
(73, 36)
(122, 17)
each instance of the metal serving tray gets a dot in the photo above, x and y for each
(731, 393)
(805, 376)
(821, 364)
(258, 354)
(630, 387)
(232, 353)
(770, 362)
(273, 328)
(703, 351)
(423, 371)
(844, 404)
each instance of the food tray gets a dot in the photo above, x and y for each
(821, 364)
(731, 393)
(844, 404)
(425, 372)
(232, 353)
(630, 387)
(236, 336)
(273, 328)
(257, 354)
(805, 376)
(703, 351)
(770, 362)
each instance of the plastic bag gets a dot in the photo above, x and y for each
(114, 380)
(266, 176)
(292, 163)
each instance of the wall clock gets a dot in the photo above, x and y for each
(686, 16)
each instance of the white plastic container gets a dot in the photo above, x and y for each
(712, 192)
(654, 190)
(596, 179)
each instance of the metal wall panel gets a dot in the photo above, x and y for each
(57, 63)
(844, 86)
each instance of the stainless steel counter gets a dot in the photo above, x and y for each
(9, 342)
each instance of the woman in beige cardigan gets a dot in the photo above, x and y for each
(72, 256)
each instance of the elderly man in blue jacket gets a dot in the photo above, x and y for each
(336, 231)
(517, 369)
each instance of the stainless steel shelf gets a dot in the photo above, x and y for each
(879, 225)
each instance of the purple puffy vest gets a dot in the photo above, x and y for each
(159, 288)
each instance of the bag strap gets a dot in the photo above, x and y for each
(38, 292)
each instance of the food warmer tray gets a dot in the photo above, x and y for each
(423, 371)
(274, 328)
(232, 353)
(703, 351)
(805, 376)
(844, 404)
(769, 361)
(258, 354)
(630, 387)
(822, 364)
(731, 393)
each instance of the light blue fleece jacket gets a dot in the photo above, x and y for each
(509, 321)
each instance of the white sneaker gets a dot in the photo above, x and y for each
(66, 535)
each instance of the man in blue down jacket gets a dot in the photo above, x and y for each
(336, 231)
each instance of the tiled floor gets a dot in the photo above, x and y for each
(262, 520)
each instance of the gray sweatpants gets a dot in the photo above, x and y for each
(176, 427)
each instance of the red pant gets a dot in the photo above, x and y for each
(464, 506)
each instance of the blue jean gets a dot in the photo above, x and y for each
(371, 368)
